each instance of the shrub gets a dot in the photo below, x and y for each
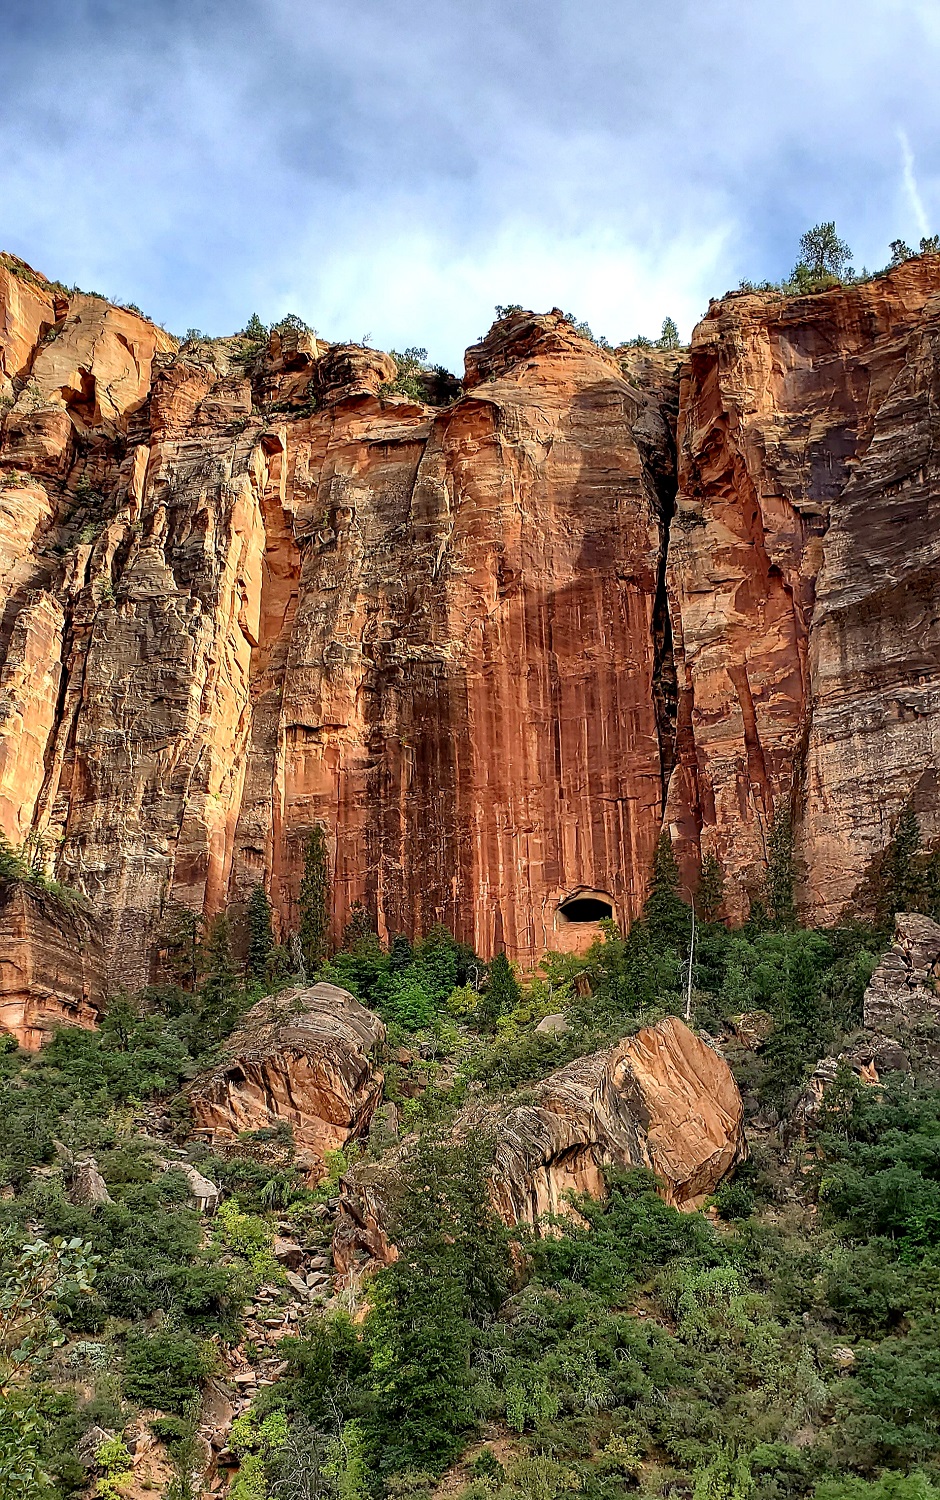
(165, 1370)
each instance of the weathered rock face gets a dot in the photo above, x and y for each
(802, 566)
(662, 1099)
(303, 1058)
(485, 645)
(51, 966)
(904, 993)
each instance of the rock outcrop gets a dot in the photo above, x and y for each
(51, 965)
(803, 562)
(304, 1058)
(903, 995)
(662, 1099)
(493, 647)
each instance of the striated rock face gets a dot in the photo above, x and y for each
(662, 1099)
(303, 1058)
(802, 521)
(51, 966)
(490, 646)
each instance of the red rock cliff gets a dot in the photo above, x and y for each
(245, 593)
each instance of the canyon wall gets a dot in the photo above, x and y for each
(493, 646)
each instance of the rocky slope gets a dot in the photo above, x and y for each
(662, 1099)
(493, 647)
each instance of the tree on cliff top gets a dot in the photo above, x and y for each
(315, 900)
(822, 254)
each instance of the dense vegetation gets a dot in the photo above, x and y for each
(784, 1346)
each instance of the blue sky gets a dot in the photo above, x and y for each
(395, 169)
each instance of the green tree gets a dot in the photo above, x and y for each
(255, 330)
(711, 888)
(33, 1278)
(260, 933)
(315, 900)
(822, 253)
(216, 963)
(668, 919)
(502, 993)
(901, 875)
(780, 874)
(669, 338)
(450, 1279)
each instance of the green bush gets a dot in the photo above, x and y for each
(165, 1370)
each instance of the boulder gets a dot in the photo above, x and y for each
(903, 993)
(303, 1058)
(555, 1025)
(661, 1099)
(88, 1187)
(207, 1195)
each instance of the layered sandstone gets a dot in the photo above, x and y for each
(51, 965)
(662, 1099)
(304, 1058)
(490, 646)
(903, 995)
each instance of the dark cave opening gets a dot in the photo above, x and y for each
(586, 909)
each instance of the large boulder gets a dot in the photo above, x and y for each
(303, 1057)
(661, 1099)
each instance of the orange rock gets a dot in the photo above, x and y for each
(302, 1058)
(51, 966)
(662, 1099)
(473, 641)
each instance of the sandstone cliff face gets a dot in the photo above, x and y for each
(302, 1058)
(51, 966)
(802, 566)
(487, 645)
(662, 1099)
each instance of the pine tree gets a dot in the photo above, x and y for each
(901, 870)
(711, 888)
(401, 954)
(450, 1279)
(216, 962)
(780, 875)
(502, 993)
(667, 918)
(260, 933)
(315, 901)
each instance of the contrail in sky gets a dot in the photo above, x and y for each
(910, 184)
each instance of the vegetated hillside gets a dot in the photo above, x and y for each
(785, 1343)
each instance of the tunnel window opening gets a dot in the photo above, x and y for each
(587, 909)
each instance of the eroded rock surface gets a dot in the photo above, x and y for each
(303, 1058)
(662, 1099)
(904, 992)
(490, 646)
(51, 965)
